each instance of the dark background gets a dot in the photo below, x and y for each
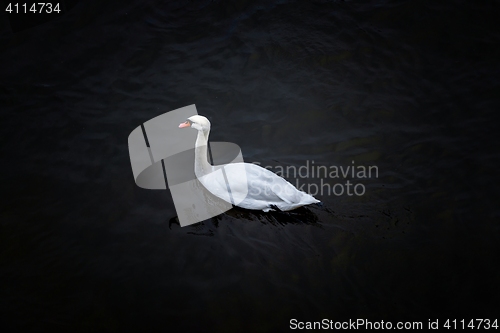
(409, 86)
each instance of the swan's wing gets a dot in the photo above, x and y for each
(228, 182)
(215, 183)
(272, 183)
(286, 191)
(251, 182)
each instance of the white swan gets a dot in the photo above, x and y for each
(251, 186)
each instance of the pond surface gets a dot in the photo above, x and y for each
(408, 87)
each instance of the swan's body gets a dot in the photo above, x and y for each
(245, 185)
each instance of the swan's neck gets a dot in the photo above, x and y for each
(201, 165)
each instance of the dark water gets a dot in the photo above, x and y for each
(411, 87)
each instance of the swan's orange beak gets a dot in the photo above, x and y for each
(185, 124)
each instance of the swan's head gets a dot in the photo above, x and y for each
(197, 122)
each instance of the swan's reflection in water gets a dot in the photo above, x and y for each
(299, 216)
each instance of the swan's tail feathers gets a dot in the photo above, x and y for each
(308, 199)
(289, 194)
